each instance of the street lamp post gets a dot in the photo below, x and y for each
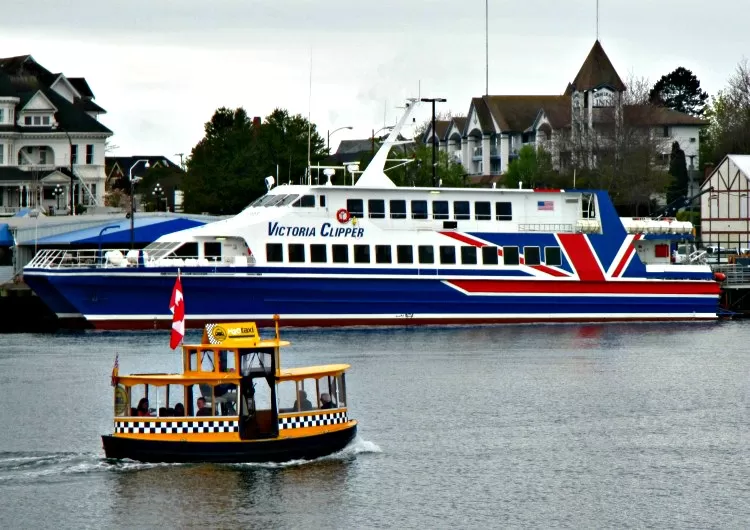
(374, 132)
(434, 135)
(158, 193)
(328, 145)
(133, 182)
(58, 192)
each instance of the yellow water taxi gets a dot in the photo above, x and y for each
(233, 402)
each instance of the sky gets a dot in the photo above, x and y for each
(162, 67)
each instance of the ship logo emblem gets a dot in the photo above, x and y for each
(219, 333)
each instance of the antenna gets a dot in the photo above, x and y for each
(597, 19)
(487, 46)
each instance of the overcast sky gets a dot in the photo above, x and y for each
(161, 67)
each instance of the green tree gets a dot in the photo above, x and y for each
(449, 174)
(168, 178)
(532, 168)
(678, 170)
(680, 90)
(729, 119)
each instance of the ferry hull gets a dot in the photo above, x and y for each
(258, 451)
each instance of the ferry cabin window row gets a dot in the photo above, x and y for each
(406, 254)
(401, 209)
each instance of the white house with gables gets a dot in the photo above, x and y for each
(496, 127)
(51, 141)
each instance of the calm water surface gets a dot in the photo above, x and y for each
(614, 426)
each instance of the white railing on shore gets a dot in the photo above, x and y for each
(109, 258)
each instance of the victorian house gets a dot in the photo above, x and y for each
(51, 141)
(583, 123)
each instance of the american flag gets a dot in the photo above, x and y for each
(546, 206)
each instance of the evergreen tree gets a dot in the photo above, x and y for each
(680, 90)
(678, 186)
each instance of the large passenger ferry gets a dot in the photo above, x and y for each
(372, 253)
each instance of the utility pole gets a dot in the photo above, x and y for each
(434, 136)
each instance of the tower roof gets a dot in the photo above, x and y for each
(597, 71)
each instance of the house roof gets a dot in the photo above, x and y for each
(80, 84)
(139, 169)
(653, 115)
(597, 71)
(483, 115)
(441, 128)
(517, 113)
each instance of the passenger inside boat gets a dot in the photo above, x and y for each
(326, 402)
(304, 403)
(201, 408)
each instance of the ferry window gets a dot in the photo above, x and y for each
(504, 211)
(419, 209)
(275, 201)
(338, 394)
(167, 400)
(137, 394)
(206, 360)
(227, 361)
(405, 254)
(322, 201)
(489, 255)
(426, 254)
(482, 211)
(326, 393)
(290, 198)
(274, 252)
(469, 255)
(398, 209)
(361, 253)
(461, 210)
(447, 255)
(340, 253)
(192, 360)
(296, 252)
(212, 249)
(510, 256)
(318, 254)
(197, 392)
(286, 395)
(376, 208)
(532, 256)
(552, 256)
(356, 208)
(383, 254)
(306, 201)
(187, 250)
(440, 210)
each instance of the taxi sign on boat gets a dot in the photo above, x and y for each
(232, 402)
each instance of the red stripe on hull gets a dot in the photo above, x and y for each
(550, 271)
(584, 262)
(464, 239)
(132, 325)
(626, 257)
(578, 287)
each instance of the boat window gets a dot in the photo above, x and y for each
(419, 209)
(440, 210)
(307, 201)
(356, 208)
(165, 399)
(469, 255)
(531, 256)
(482, 211)
(426, 254)
(326, 393)
(212, 249)
(141, 396)
(296, 252)
(197, 392)
(504, 211)
(447, 255)
(383, 254)
(192, 360)
(338, 394)
(322, 201)
(286, 395)
(405, 253)
(398, 209)
(157, 251)
(263, 201)
(376, 208)
(361, 253)
(318, 254)
(207, 363)
(588, 206)
(227, 361)
(274, 252)
(275, 200)
(552, 256)
(256, 201)
(291, 198)
(340, 253)
(489, 255)
(461, 210)
(510, 256)
(187, 250)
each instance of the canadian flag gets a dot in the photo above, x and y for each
(177, 307)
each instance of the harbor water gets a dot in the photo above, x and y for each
(539, 426)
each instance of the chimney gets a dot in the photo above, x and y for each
(256, 126)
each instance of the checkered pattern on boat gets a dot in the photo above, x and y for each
(209, 332)
(312, 420)
(175, 427)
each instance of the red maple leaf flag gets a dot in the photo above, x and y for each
(177, 307)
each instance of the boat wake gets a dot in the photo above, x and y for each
(27, 466)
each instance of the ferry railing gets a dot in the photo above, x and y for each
(545, 227)
(736, 275)
(120, 258)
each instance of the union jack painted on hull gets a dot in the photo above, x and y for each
(374, 254)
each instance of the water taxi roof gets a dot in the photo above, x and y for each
(236, 335)
(307, 371)
(221, 377)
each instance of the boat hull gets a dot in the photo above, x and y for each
(257, 451)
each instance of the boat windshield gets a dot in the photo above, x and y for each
(268, 200)
(160, 250)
